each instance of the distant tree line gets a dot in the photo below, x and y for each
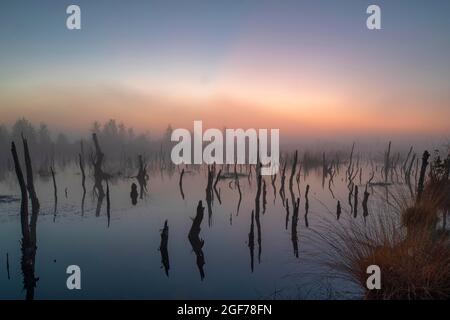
(119, 143)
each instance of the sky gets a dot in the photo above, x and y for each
(309, 68)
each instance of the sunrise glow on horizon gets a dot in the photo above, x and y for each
(252, 64)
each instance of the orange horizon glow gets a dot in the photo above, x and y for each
(77, 110)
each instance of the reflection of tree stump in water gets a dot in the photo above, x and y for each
(257, 210)
(287, 213)
(251, 241)
(364, 203)
(294, 236)
(307, 206)
(27, 266)
(134, 194)
(338, 210)
(196, 242)
(163, 248)
(108, 203)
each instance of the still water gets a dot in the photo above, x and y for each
(120, 258)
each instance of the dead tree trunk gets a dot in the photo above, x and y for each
(142, 176)
(99, 175)
(423, 170)
(180, 183)
(28, 247)
(30, 182)
(387, 163)
(55, 189)
(215, 186)
(24, 194)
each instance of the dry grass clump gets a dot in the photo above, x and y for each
(416, 268)
(410, 247)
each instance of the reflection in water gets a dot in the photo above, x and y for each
(7, 266)
(287, 213)
(338, 210)
(273, 179)
(100, 197)
(283, 179)
(195, 240)
(332, 172)
(257, 203)
(83, 177)
(134, 194)
(281, 243)
(264, 196)
(306, 206)
(355, 209)
(294, 236)
(108, 203)
(163, 248)
(364, 203)
(236, 179)
(251, 241)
